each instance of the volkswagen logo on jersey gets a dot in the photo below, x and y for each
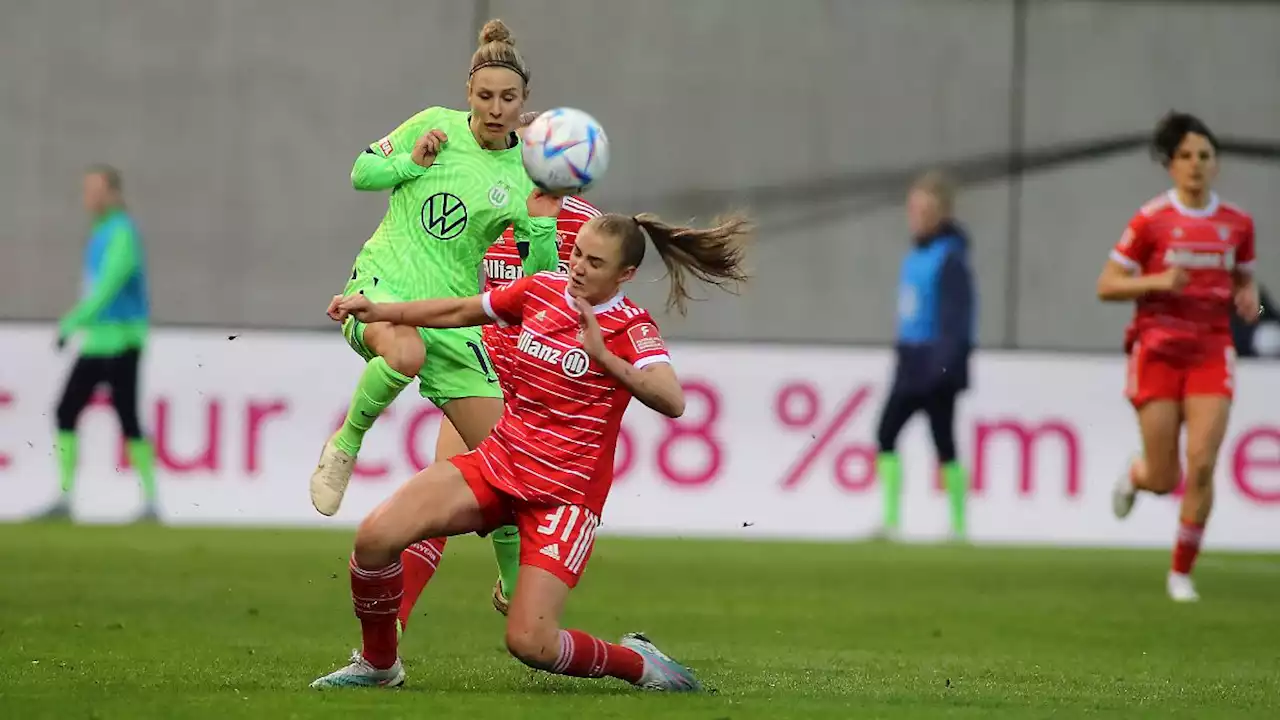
(575, 363)
(444, 216)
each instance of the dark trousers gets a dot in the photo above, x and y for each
(939, 406)
(117, 372)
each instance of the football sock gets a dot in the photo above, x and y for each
(143, 458)
(582, 655)
(67, 446)
(506, 548)
(379, 385)
(957, 484)
(1187, 546)
(420, 561)
(889, 470)
(375, 594)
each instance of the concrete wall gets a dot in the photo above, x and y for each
(236, 123)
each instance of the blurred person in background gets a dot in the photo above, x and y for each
(937, 307)
(1261, 338)
(112, 320)
(1186, 262)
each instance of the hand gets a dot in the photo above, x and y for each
(1172, 280)
(428, 147)
(1248, 307)
(592, 339)
(357, 306)
(543, 204)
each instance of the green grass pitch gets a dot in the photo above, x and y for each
(150, 622)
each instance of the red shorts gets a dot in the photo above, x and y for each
(498, 345)
(1153, 377)
(556, 538)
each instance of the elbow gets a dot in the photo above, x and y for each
(1106, 292)
(674, 407)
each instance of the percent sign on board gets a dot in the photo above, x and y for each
(798, 406)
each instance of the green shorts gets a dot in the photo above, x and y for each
(456, 365)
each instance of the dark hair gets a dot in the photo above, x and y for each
(108, 173)
(714, 255)
(1170, 131)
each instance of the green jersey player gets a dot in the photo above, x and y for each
(457, 181)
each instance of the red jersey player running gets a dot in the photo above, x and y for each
(584, 350)
(502, 265)
(1186, 261)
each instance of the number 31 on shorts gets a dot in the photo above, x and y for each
(569, 525)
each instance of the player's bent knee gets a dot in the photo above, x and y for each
(399, 345)
(535, 646)
(376, 544)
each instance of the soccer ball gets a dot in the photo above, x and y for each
(565, 151)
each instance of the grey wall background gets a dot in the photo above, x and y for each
(236, 123)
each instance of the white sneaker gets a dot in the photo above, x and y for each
(1124, 493)
(331, 477)
(359, 673)
(1181, 588)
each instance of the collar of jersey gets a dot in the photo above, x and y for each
(1206, 211)
(603, 307)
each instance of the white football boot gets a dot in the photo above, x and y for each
(331, 477)
(1181, 588)
(359, 673)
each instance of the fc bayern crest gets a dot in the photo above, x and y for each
(1224, 232)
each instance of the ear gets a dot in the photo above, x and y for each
(627, 275)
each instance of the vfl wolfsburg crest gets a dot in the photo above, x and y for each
(499, 195)
(444, 216)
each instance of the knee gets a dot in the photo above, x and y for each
(537, 646)
(1200, 466)
(406, 353)
(376, 545)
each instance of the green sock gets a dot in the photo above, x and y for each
(67, 446)
(889, 470)
(378, 388)
(957, 484)
(143, 458)
(506, 548)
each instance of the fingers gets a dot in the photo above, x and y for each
(335, 310)
(433, 141)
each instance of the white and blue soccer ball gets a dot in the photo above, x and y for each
(565, 151)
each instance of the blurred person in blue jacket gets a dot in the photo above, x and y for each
(936, 332)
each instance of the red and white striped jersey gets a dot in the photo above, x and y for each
(502, 261)
(1213, 244)
(555, 442)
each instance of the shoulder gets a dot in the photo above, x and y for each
(1233, 212)
(576, 210)
(1157, 205)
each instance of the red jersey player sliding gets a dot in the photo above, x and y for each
(1186, 261)
(502, 265)
(583, 352)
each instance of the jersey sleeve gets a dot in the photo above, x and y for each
(505, 305)
(389, 161)
(1135, 246)
(641, 343)
(1246, 254)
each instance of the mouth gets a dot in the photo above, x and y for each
(494, 127)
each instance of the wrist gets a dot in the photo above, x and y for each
(406, 167)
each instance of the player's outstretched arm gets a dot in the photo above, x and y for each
(435, 313)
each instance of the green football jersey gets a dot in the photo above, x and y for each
(440, 220)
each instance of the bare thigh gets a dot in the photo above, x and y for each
(473, 418)
(1161, 423)
(436, 502)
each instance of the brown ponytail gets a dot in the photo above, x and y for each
(713, 255)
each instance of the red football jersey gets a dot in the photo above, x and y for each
(1212, 244)
(502, 261)
(555, 442)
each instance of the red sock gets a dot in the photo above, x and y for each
(584, 656)
(376, 597)
(420, 561)
(1187, 547)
